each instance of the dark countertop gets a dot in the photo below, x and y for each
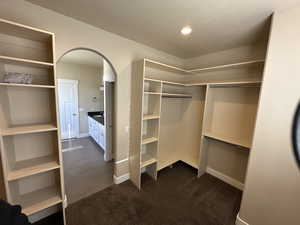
(98, 116)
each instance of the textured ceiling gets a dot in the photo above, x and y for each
(217, 24)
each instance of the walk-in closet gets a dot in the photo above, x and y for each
(204, 117)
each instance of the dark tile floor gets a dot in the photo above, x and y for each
(85, 170)
(178, 197)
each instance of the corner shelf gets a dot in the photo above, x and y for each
(240, 142)
(149, 140)
(228, 66)
(211, 68)
(31, 167)
(167, 163)
(28, 129)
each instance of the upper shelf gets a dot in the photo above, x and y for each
(205, 69)
(166, 67)
(228, 66)
(25, 62)
(22, 31)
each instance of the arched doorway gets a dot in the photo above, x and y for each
(86, 81)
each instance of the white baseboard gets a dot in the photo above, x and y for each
(225, 178)
(239, 221)
(82, 135)
(121, 179)
(125, 177)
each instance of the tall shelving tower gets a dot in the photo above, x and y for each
(29, 134)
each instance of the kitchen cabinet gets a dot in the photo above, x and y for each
(97, 132)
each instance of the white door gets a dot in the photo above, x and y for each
(68, 108)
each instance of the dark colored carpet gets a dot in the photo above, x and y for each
(177, 198)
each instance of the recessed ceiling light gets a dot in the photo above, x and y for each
(186, 30)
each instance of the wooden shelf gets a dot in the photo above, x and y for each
(240, 142)
(174, 95)
(190, 160)
(147, 160)
(165, 66)
(36, 201)
(26, 85)
(151, 117)
(28, 129)
(199, 70)
(152, 80)
(167, 163)
(31, 167)
(228, 66)
(31, 181)
(230, 84)
(22, 31)
(165, 82)
(152, 93)
(149, 140)
(25, 62)
(213, 84)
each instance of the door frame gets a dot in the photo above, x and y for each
(77, 120)
(108, 116)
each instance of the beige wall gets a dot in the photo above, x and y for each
(272, 191)
(89, 80)
(240, 54)
(71, 34)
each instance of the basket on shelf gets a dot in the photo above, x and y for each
(17, 78)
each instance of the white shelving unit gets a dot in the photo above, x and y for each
(198, 122)
(29, 135)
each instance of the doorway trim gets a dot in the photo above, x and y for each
(77, 119)
(114, 80)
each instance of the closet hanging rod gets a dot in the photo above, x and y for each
(235, 86)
